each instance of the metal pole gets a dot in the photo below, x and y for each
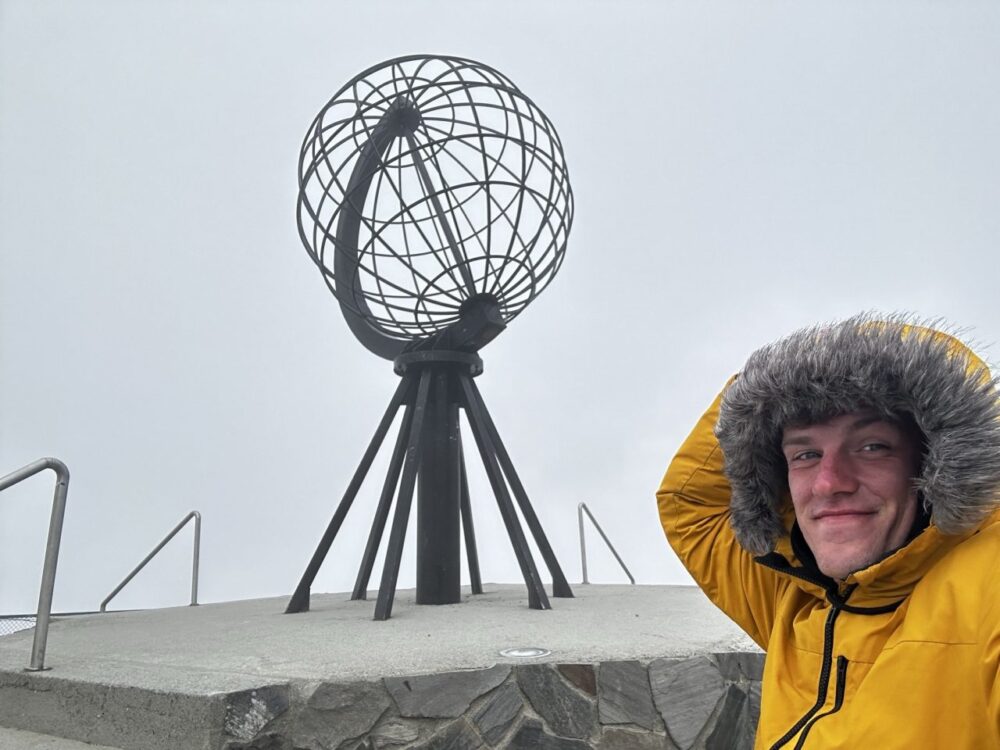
(37, 663)
(384, 506)
(560, 587)
(194, 575)
(607, 541)
(397, 534)
(467, 527)
(300, 597)
(537, 598)
(195, 559)
(583, 544)
(439, 487)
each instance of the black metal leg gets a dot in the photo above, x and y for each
(560, 586)
(537, 598)
(439, 505)
(300, 599)
(394, 552)
(384, 505)
(468, 530)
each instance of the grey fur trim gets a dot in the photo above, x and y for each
(865, 362)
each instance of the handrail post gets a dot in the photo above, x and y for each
(37, 663)
(581, 509)
(194, 559)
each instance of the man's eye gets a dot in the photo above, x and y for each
(805, 455)
(875, 447)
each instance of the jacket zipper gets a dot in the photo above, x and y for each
(824, 681)
(838, 602)
(837, 702)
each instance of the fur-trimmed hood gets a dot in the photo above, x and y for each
(894, 367)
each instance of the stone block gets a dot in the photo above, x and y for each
(616, 738)
(456, 735)
(731, 730)
(336, 712)
(581, 675)
(248, 712)
(266, 741)
(564, 709)
(741, 665)
(531, 735)
(686, 692)
(623, 695)
(753, 693)
(393, 733)
(499, 712)
(443, 696)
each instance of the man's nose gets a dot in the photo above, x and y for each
(835, 475)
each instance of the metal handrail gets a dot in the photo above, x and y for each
(580, 510)
(37, 663)
(194, 561)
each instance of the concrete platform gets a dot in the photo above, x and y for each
(171, 670)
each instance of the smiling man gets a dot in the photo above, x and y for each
(851, 481)
(839, 501)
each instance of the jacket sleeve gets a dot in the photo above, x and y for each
(990, 638)
(693, 502)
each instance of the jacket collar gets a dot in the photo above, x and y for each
(880, 587)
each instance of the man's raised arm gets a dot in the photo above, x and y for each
(693, 501)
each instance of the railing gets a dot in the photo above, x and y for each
(580, 510)
(37, 663)
(194, 562)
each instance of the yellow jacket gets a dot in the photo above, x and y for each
(903, 654)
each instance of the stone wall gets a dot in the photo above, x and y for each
(706, 702)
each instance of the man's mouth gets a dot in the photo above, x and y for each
(843, 514)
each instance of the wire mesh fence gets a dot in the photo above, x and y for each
(11, 625)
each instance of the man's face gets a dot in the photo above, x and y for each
(851, 484)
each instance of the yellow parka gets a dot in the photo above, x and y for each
(902, 654)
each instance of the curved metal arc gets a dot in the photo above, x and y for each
(346, 266)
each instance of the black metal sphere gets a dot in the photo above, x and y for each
(424, 182)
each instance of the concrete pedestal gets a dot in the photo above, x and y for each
(628, 667)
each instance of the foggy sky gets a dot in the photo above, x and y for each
(740, 170)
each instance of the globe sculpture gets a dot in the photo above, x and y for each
(435, 201)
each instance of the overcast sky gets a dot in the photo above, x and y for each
(740, 170)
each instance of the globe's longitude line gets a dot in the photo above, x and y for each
(499, 165)
(414, 91)
(404, 226)
(520, 194)
(460, 208)
(526, 146)
(422, 297)
(442, 241)
(486, 182)
(434, 194)
(517, 184)
(407, 209)
(374, 260)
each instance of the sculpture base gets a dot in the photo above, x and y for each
(240, 675)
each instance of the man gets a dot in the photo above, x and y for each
(839, 501)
